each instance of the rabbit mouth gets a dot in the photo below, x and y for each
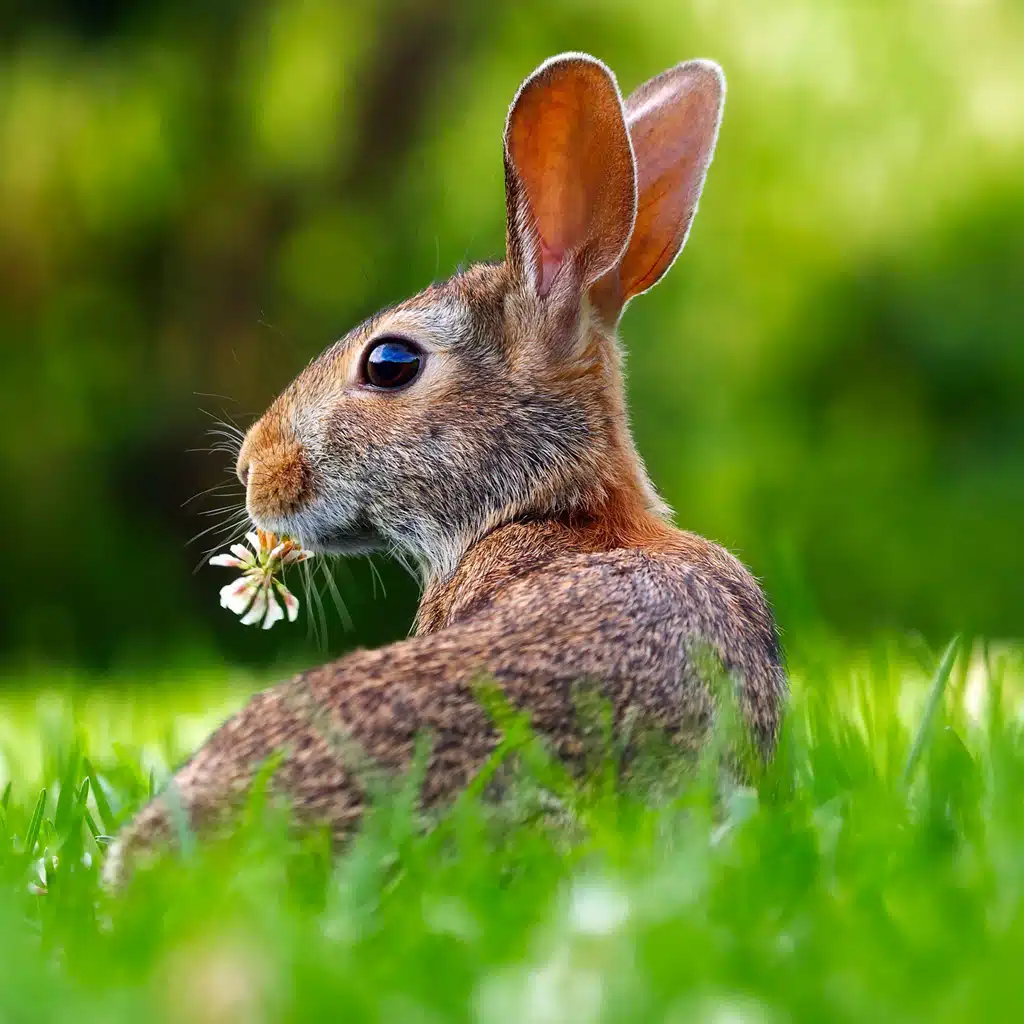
(352, 539)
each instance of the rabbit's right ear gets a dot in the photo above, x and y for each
(570, 178)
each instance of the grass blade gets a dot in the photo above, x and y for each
(107, 818)
(938, 687)
(35, 823)
(90, 821)
(66, 797)
(83, 797)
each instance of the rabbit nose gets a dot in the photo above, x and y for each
(243, 472)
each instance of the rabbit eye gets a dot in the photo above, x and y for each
(392, 363)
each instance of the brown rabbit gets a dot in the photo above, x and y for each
(480, 431)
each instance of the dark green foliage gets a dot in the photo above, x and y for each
(197, 198)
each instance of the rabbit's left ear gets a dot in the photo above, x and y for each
(673, 123)
(569, 177)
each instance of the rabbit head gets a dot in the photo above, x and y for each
(497, 395)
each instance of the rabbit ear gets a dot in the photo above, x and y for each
(673, 123)
(569, 176)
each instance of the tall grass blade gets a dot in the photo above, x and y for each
(66, 797)
(35, 823)
(938, 688)
(107, 818)
(94, 829)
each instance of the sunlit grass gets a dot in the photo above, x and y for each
(874, 871)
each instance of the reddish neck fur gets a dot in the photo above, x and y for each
(519, 548)
(622, 510)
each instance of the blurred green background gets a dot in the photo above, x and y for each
(195, 198)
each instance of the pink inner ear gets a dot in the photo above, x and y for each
(550, 261)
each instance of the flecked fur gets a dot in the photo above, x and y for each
(507, 474)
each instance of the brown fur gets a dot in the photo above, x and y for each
(507, 472)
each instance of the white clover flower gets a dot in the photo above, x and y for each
(252, 595)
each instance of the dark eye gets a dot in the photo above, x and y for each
(392, 363)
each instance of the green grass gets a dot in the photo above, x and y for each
(874, 872)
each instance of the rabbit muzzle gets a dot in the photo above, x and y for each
(286, 495)
(276, 472)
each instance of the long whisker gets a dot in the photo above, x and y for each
(232, 518)
(317, 605)
(236, 535)
(224, 447)
(234, 507)
(229, 444)
(210, 394)
(402, 559)
(303, 571)
(339, 603)
(233, 436)
(224, 420)
(376, 577)
(232, 523)
(307, 584)
(218, 490)
(227, 536)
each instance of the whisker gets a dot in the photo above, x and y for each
(210, 394)
(234, 507)
(307, 583)
(232, 434)
(232, 519)
(238, 533)
(317, 605)
(228, 444)
(231, 524)
(224, 420)
(402, 559)
(337, 599)
(219, 490)
(376, 577)
(220, 446)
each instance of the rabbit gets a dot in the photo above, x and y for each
(479, 431)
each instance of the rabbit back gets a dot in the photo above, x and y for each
(629, 622)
